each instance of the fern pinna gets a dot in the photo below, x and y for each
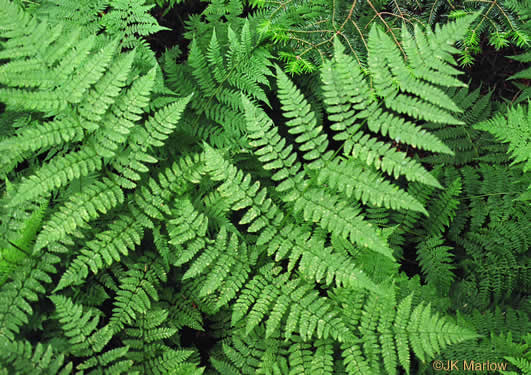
(202, 212)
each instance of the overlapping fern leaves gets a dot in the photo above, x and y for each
(220, 70)
(87, 107)
(272, 296)
(147, 208)
(126, 20)
(305, 31)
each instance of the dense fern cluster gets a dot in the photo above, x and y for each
(200, 210)
(305, 30)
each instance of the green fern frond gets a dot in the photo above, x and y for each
(81, 208)
(350, 104)
(228, 266)
(249, 354)
(398, 332)
(182, 311)
(218, 73)
(25, 288)
(443, 209)
(122, 116)
(21, 357)
(302, 122)
(56, 174)
(213, 214)
(436, 263)
(137, 290)
(274, 294)
(513, 127)
(79, 326)
(315, 359)
(366, 185)
(294, 187)
(121, 237)
(464, 141)
(22, 247)
(148, 334)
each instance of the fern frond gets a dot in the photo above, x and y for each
(338, 217)
(163, 123)
(302, 122)
(56, 174)
(391, 77)
(249, 354)
(27, 285)
(436, 263)
(315, 359)
(219, 71)
(137, 290)
(22, 247)
(273, 293)
(79, 326)
(104, 92)
(272, 150)
(24, 358)
(122, 116)
(121, 236)
(443, 209)
(392, 162)
(112, 362)
(513, 127)
(44, 136)
(82, 207)
(365, 185)
(350, 111)
(237, 189)
(147, 335)
(227, 264)
(89, 73)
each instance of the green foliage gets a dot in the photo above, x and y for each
(523, 75)
(305, 31)
(127, 20)
(219, 71)
(196, 210)
(514, 128)
(13, 255)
